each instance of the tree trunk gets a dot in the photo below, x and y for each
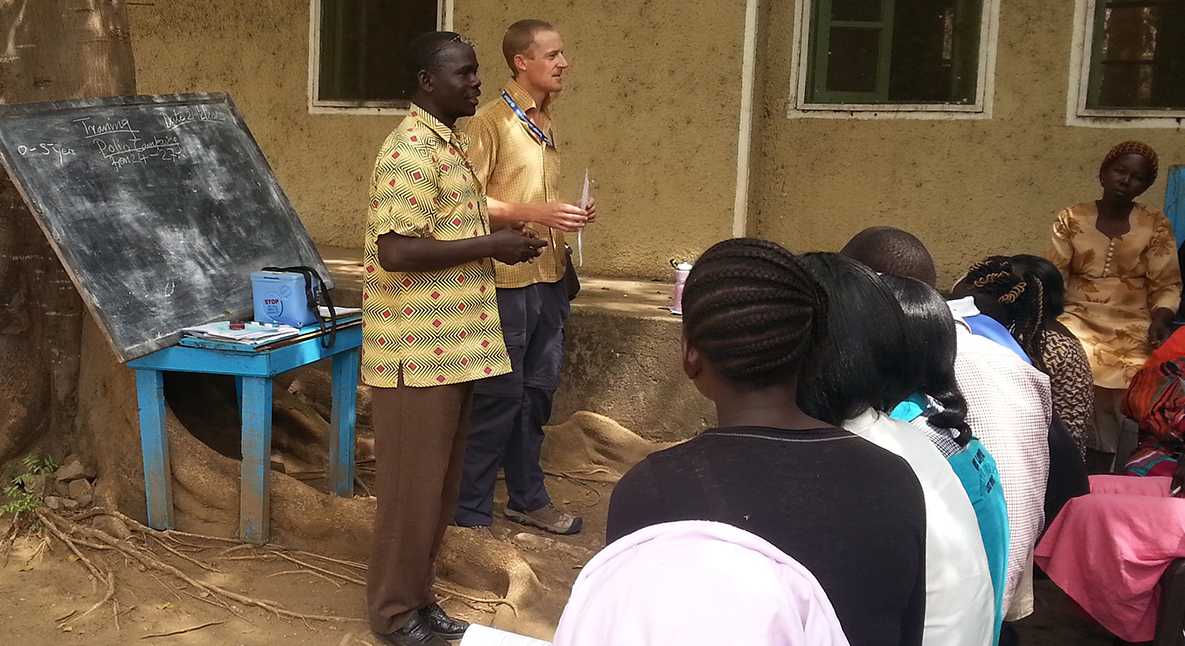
(53, 49)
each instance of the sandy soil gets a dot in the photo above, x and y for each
(40, 585)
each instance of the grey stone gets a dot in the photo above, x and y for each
(79, 488)
(35, 484)
(112, 526)
(72, 470)
(53, 502)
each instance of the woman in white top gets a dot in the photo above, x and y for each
(858, 377)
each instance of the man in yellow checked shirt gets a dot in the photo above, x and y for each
(514, 154)
(430, 330)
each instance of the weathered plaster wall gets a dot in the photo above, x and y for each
(650, 108)
(967, 188)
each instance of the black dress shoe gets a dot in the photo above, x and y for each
(416, 632)
(442, 624)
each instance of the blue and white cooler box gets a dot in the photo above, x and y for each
(282, 297)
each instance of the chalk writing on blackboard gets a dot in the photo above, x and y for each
(183, 116)
(121, 144)
(46, 148)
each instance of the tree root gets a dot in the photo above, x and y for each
(68, 532)
(76, 536)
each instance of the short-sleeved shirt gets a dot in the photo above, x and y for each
(851, 512)
(515, 165)
(440, 327)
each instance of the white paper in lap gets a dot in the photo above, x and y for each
(478, 635)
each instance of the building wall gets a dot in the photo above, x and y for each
(650, 109)
(967, 188)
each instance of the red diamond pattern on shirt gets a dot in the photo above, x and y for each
(429, 331)
(485, 343)
(484, 316)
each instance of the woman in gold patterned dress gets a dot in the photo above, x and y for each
(1123, 284)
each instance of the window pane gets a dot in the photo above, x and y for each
(935, 51)
(362, 44)
(862, 10)
(932, 52)
(853, 62)
(1140, 57)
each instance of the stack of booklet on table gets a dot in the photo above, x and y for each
(253, 334)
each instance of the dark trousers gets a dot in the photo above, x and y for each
(509, 411)
(419, 445)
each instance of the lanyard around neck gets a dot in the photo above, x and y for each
(522, 116)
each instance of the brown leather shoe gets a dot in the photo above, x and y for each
(548, 518)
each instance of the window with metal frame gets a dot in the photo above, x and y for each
(1137, 55)
(895, 52)
(357, 50)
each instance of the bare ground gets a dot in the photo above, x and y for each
(42, 584)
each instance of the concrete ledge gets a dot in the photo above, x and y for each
(622, 350)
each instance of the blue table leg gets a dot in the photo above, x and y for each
(154, 442)
(255, 473)
(341, 426)
(239, 392)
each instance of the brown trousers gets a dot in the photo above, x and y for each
(419, 447)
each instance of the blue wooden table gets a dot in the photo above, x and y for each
(253, 369)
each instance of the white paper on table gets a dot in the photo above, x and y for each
(585, 200)
(479, 635)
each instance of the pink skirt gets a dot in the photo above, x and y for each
(1107, 550)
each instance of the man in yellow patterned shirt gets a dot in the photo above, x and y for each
(430, 329)
(515, 156)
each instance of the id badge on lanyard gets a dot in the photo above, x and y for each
(522, 116)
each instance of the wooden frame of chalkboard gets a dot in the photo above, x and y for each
(159, 207)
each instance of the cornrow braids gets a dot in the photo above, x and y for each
(1021, 295)
(753, 310)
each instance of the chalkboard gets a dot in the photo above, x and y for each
(159, 207)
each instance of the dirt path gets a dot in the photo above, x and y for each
(43, 583)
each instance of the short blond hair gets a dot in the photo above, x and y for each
(519, 38)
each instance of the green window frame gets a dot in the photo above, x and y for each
(821, 53)
(1098, 63)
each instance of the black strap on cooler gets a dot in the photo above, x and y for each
(314, 287)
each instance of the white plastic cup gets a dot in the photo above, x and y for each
(682, 270)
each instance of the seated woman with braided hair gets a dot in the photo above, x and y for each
(858, 378)
(939, 410)
(1024, 294)
(849, 511)
(1123, 282)
(1062, 355)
